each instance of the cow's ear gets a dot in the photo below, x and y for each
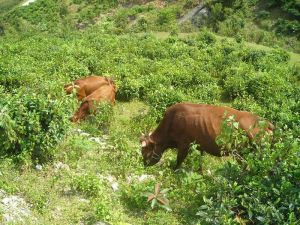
(151, 141)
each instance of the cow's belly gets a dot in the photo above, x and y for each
(199, 131)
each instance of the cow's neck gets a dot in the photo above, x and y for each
(161, 144)
(156, 138)
(160, 135)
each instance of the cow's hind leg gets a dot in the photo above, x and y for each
(200, 170)
(181, 155)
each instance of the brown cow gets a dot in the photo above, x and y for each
(106, 92)
(185, 123)
(86, 86)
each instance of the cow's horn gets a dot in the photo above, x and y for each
(150, 134)
(144, 144)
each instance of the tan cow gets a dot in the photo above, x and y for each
(185, 123)
(86, 86)
(106, 92)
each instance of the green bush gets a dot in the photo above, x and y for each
(91, 186)
(265, 193)
(31, 124)
(165, 16)
(162, 98)
(104, 115)
(288, 27)
(88, 184)
(102, 209)
(263, 14)
(134, 194)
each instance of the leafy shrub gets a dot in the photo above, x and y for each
(142, 24)
(165, 16)
(236, 16)
(134, 194)
(206, 37)
(287, 26)
(291, 6)
(130, 89)
(102, 209)
(253, 56)
(91, 186)
(263, 14)
(273, 191)
(31, 124)
(162, 98)
(88, 184)
(190, 3)
(104, 115)
(236, 82)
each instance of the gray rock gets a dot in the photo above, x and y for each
(60, 165)
(28, 2)
(38, 167)
(102, 223)
(14, 209)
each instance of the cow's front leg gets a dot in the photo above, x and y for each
(181, 155)
(81, 94)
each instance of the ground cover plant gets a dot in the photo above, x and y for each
(92, 171)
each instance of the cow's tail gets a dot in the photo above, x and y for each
(111, 82)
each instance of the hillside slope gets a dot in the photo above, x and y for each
(267, 24)
(53, 171)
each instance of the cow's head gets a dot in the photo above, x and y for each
(150, 152)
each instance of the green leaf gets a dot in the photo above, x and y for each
(164, 191)
(146, 194)
(166, 208)
(153, 203)
(204, 207)
(150, 197)
(201, 213)
(163, 200)
(260, 218)
(236, 125)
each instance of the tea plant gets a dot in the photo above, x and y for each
(31, 124)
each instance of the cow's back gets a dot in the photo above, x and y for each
(89, 84)
(86, 86)
(105, 92)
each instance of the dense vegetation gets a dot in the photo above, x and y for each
(50, 43)
(264, 22)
